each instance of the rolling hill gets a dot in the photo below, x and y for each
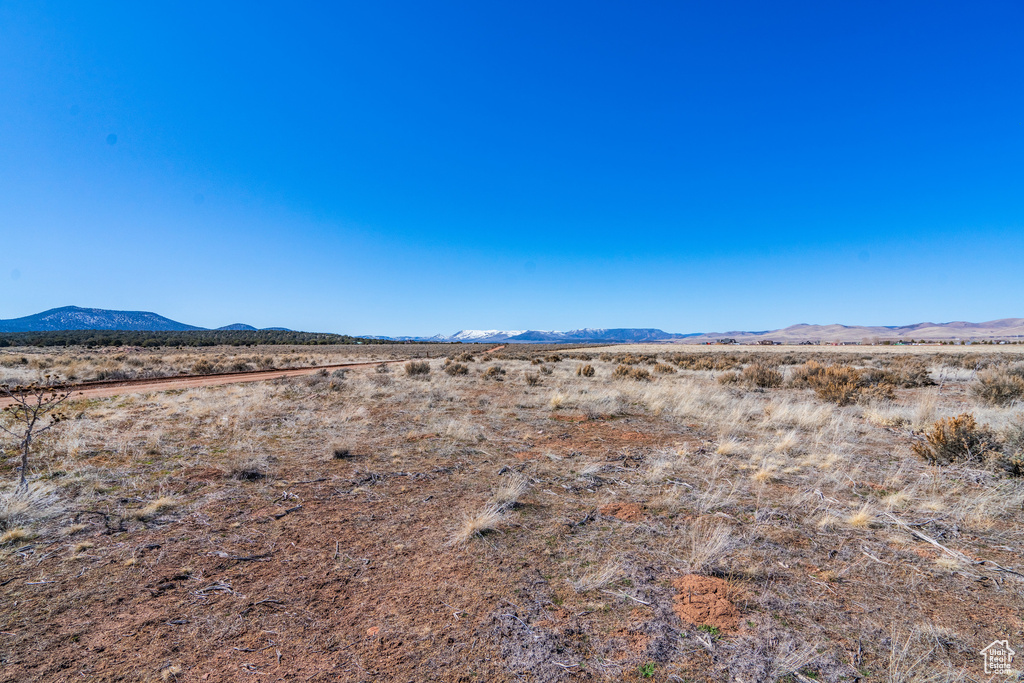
(76, 318)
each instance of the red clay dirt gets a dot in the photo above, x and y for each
(627, 512)
(130, 386)
(704, 601)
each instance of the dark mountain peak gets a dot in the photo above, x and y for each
(78, 318)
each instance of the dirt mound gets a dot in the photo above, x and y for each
(627, 512)
(704, 601)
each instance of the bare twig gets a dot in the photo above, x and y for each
(282, 514)
(624, 595)
(257, 604)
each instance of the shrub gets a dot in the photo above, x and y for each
(417, 367)
(803, 374)
(730, 377)
(204, 367)
(999, 386)
(1013, 439)
(839, 384)
(663, 369)
(626, 372)
(954, 440)
(495, 372)
(532, 379)
(341, 453)
(546, 370)
(383, 369)
(585, 370)
(553, 358)
(909, 372)
(454, 369)
(762, 376)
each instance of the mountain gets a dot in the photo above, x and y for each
(585, 336)
(588, 335)
(75, 318)
(1004, 328)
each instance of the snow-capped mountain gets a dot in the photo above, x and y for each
(480, 335)
(554, 336)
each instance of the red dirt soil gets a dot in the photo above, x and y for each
(704, 601)
(138, 386)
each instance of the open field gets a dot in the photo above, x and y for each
(672, 513)
(78, 364)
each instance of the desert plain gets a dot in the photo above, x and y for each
(523, 513)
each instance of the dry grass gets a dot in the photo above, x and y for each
(38, 501)
(513, 486)
(703, 544)
(479, 523)
(15, 535)
(597, 578)
(154, 508)
(790, 497)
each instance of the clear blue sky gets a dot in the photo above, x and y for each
(412, 167)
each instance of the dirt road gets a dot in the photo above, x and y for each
(135, 386)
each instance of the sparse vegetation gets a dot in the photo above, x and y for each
(32, 410)
(711, 531)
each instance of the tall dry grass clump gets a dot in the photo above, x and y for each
(480, 523)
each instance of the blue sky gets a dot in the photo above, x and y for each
(412, 168)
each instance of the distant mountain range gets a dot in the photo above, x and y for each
(585, 336)
(1004, 328)
(75, 318)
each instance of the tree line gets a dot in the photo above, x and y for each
(100, 338)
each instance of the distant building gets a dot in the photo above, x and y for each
(765, 342)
